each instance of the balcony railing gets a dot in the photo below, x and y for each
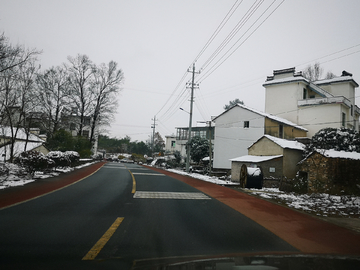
(327, 100)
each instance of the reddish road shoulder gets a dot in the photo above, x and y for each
(304, 232)
(15, 195)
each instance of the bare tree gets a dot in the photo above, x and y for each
(81, 71)
(52, 96)
(106, 85)
(330, 75)
(17, 96)
(313, 73)
(12, 56)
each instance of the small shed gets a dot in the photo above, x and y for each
(268, 165)
(331, 171)
(277, 157)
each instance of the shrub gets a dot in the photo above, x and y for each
(34, 161)
(60, 159)
(73, 156)
(64, 159)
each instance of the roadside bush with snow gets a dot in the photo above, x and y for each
(34, 161)
(60, 159)
(64, 159)
(73, 156)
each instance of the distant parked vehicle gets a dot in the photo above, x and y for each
(125, 160)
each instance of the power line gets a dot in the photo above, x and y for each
(219, 28)
(233, 32)
(224, 57)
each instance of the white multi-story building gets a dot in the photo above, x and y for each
(313, 105)
(240, 126)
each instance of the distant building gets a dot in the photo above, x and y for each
(182, 135)
(24, 141)
(278, 159)
(241, 126)
(170, 144)
(313, 105)
(331, 171)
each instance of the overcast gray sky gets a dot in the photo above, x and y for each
(156, 41)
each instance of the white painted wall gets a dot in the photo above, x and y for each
(168, 143)
(315, 118)
(231, 138)
(281, 100)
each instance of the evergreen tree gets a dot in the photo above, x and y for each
(199, 148)
(339, 139)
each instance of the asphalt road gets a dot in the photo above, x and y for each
(125, 213)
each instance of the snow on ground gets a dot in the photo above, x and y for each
(206, 178)
(318, 203)
(16, 175)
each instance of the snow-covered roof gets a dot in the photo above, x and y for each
(254, 159)
(5, 131)
(286, 80)
(268, 115)
(283, 143)
(337, 79)
(339, 154)
(19, 147)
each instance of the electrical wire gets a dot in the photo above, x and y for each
(233, 32)
(219, 28)
(227, 54)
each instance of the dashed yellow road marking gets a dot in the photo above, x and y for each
(91, 255)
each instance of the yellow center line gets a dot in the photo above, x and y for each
(103, 240)
(134, 183)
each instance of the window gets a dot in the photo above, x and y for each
(352, 110)
(246, 124)
(281, 131)
(87, 121)
(72, 126)
(343, 120)
(85, 133)
(172, 143)
(304, 93)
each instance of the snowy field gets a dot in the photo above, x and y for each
(323, 205)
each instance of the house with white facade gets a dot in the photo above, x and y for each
(241, 126)
(170, 144)
(182, 136)
(21, 141)
(313, 105)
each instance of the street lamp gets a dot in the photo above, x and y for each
(184, 110)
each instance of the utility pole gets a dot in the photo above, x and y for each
(190, 120)
(210, 148)
(153, 136)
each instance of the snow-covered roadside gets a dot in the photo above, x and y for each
(320, 204)
(17, 177)
(323, 205)
(206, 178)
